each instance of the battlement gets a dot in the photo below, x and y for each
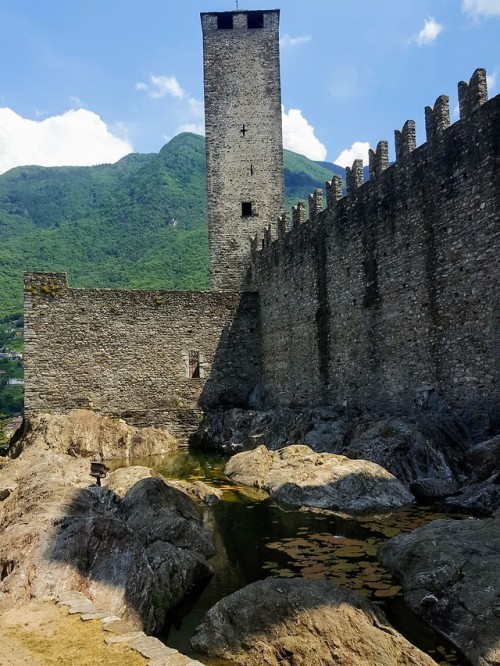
(39, 281)
(472, 96)
(394, 284)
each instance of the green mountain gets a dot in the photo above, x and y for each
(139, 223)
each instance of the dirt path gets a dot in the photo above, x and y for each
(43, 634)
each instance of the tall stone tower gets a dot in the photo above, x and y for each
(244, 142)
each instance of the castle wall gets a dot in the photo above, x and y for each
(394, 288)
(243, 137)
(127, 353)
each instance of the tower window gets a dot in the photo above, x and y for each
(225, 21)
(255, 20)
(246, 209)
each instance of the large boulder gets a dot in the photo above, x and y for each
(428, 446)
(82, 432)
(449, 570)
(482, 494)
(135, 556)
(234, 430)
(420, 449)
(302, 622)
(298, 476)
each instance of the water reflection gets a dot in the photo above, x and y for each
(255, 538)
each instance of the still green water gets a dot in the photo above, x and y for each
(255, 538)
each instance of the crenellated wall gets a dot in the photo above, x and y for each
(394, 287)
(151, 357)
(388, 291)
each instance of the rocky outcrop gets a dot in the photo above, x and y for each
(427, 446)
(135, 552)
(235, 430)
(482, 494)
(297, 475)
(84, 433)
(449, 571)
(299, 621)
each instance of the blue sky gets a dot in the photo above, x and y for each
(86, 81)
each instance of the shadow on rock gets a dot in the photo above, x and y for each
(449, 571)
(135, 555)
(299, 621)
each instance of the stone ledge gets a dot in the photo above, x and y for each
(149, 647)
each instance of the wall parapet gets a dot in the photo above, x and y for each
(333, 191)
(378, 159)
(405, 140)
(437, 118)
(472, 94)
(393, 286)
(437, 123)
(298, 214)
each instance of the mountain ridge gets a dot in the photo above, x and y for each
(139, 223)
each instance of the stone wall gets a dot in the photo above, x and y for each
(151, 357)
(394, 287)
(243, 137)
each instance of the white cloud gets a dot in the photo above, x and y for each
(358, 151)
(196, 107)
(491, 80)
(195, 128)
(76, 102)
(161, 86)
(481, 7)
(429, 32)
(75, 138)
(298, 135)
(287, 41)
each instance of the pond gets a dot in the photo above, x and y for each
(255, 538)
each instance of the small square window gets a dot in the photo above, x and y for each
(225, 21)
(246, 209)
(255, 20)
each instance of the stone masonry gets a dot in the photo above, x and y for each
(243, 137)
(151, 357)
(389, 292)
(393, 289)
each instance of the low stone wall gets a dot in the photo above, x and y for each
(150, 357)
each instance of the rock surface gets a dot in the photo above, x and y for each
(302, 622)
(82, 432)
(482, 494)
(426, 446)
(135, 553)
(450, 574)
(297, 475)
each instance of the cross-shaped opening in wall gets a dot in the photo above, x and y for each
(243, 131)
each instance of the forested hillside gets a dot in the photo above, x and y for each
(139, 223)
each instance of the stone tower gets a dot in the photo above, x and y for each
(244, 142)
